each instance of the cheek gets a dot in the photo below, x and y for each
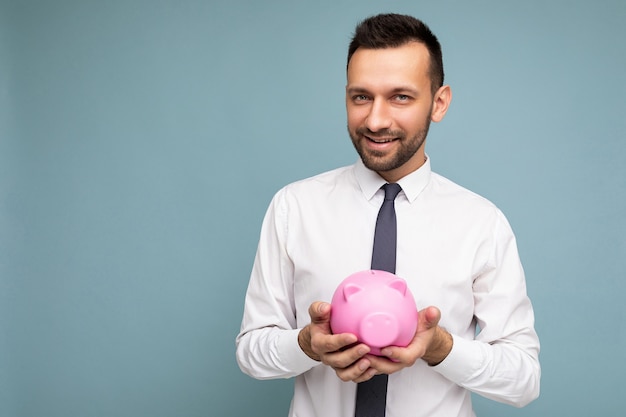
(412, 121)
(355, 117)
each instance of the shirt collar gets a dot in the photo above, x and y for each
(412, 184)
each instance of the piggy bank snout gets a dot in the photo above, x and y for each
(379, 329)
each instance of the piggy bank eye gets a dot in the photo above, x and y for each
(350, 289)
(399, 285)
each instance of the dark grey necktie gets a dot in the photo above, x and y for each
(371, 396)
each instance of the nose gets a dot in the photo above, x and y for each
(379, 329)
(378, 117)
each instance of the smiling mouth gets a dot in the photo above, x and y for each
(380, 140)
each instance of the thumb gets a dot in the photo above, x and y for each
(319, 312)
(429, 318)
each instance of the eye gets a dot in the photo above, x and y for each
(402, 98)
(359, 98)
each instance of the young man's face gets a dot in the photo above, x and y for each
(390, 106)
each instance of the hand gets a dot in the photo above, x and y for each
(339, 351)
(431, 343)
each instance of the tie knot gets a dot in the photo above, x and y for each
(391, 190)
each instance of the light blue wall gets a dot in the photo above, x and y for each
(142, 141)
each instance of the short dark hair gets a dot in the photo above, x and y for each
(391, 30)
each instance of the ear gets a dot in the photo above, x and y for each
(441, 102)
(350, 289)
(399, 285)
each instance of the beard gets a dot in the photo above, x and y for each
(383, 161)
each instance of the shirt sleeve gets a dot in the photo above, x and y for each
(267, 345)
(502, 362)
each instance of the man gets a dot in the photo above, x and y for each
(454, 248)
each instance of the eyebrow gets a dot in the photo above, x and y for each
(395, 90)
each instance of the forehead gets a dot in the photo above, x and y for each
(405, 64)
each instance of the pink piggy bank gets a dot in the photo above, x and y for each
(377, 307)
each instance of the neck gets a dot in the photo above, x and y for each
(397, 174)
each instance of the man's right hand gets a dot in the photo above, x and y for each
(336, 351)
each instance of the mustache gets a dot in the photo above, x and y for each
(383, 133)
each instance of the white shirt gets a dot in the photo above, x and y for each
(456, 251)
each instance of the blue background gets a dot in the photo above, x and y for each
(141, 142)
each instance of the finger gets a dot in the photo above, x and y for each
(384, 365)
(319, 312)
(366, 376)
(429, 317)
(333, 350)
(347, 357)
(357, 372)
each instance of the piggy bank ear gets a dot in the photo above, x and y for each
(350, 289)
(399, 285)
